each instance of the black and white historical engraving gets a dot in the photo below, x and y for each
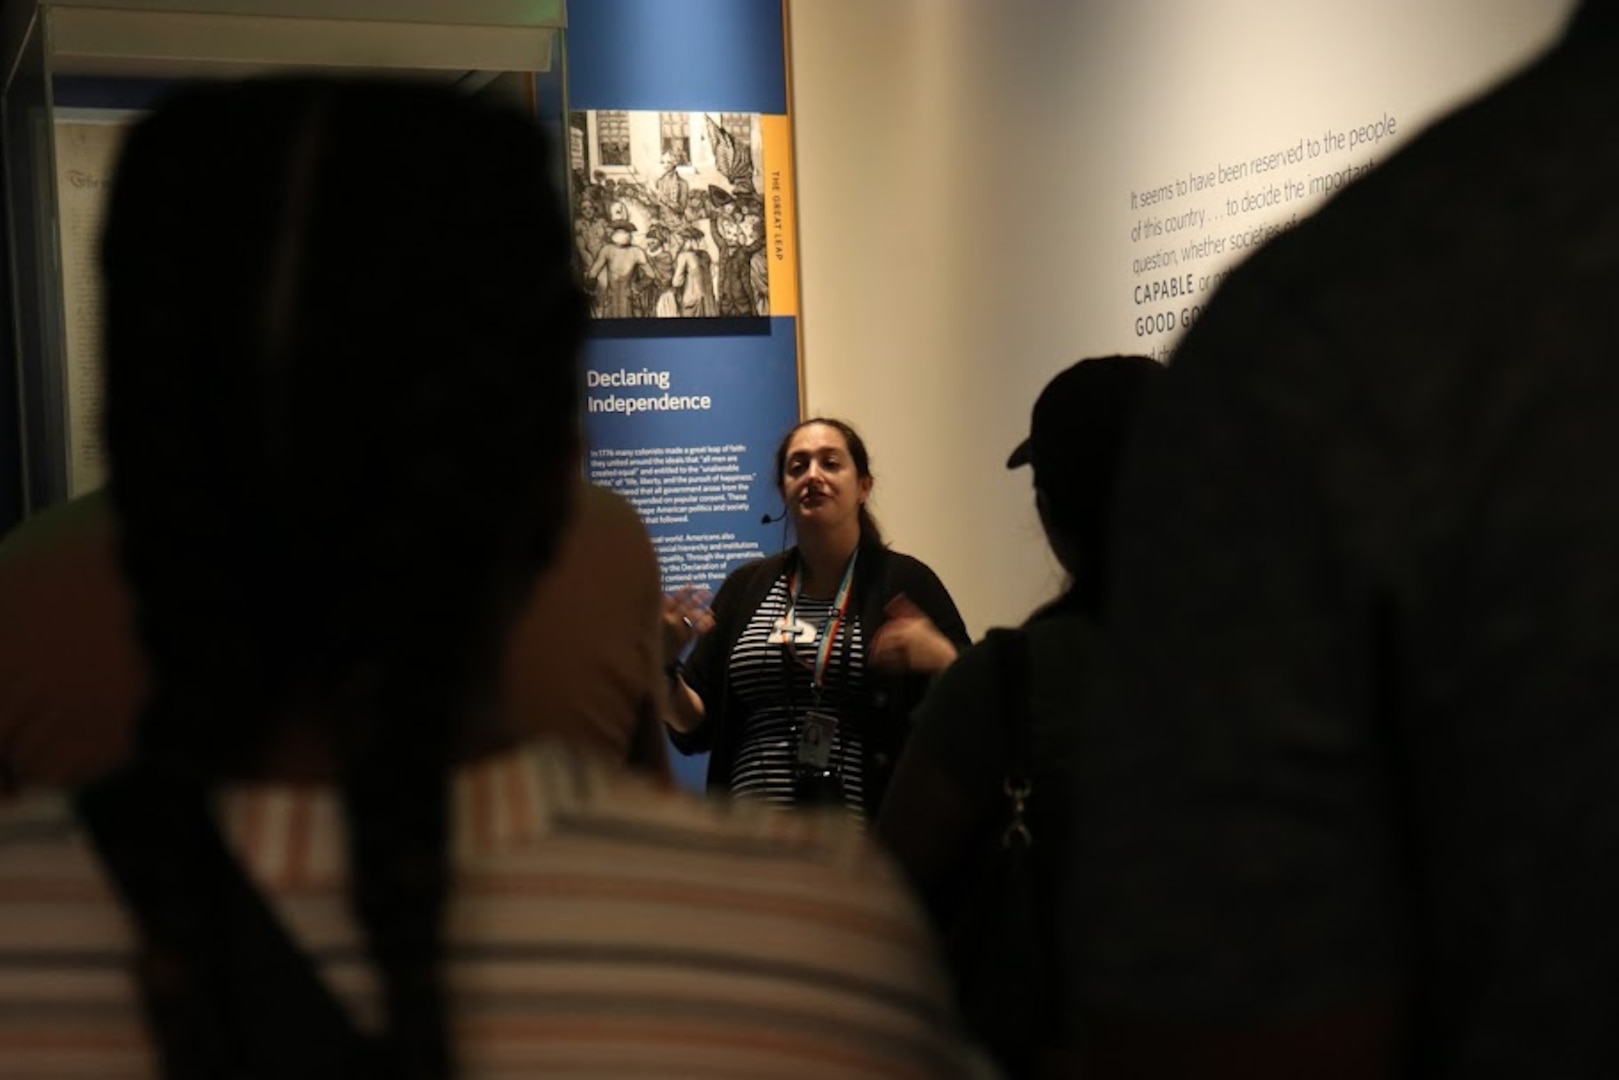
(668, 219)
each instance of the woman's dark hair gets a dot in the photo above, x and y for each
(341, 338)
(870, 534)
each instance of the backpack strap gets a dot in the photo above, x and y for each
(1017, 721)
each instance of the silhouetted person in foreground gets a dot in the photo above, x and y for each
(990, 761)
(342, 406)
(1353, 810)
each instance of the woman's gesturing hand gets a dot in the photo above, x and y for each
(685, 618)
(908, 641)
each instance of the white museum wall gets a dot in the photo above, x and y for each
(965, 172)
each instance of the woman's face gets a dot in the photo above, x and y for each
(820, 483)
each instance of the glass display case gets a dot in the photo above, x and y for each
(78, 71)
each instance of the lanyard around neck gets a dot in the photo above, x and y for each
(840, 612)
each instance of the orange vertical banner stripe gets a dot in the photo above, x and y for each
(781, 213)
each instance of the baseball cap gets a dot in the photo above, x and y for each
(1079, 424)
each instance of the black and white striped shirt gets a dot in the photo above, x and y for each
(773, 685)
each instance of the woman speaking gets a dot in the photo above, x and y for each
(810, 661)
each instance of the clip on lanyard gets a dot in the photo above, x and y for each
(840, 612)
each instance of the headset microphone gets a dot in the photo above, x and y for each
(771, 519)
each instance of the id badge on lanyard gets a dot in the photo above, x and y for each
(816, 734)
(818, 727)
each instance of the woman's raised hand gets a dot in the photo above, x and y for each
(685, 618)
(908, 641)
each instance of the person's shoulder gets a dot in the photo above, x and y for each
(604, 547)
(604, 505)
(604, 517)
(1065, 638)
(41, 814)
(69, 951)
(1064, 630)
(973, 676)
(604, 510)
(42, 846)
(825, 852)
(752, 888)
(986, 653)
(1064, 652)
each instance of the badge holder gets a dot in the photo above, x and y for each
(815, 781)
(815, 737)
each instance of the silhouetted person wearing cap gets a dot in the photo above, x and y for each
(1352, 808)
(950, 795)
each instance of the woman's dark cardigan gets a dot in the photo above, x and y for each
(883, 717)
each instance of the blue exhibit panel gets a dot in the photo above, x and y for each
(683, 415)
(665, 415)
(678, 55)
(699, 473)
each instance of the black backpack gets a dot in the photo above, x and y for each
(1000, 944)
